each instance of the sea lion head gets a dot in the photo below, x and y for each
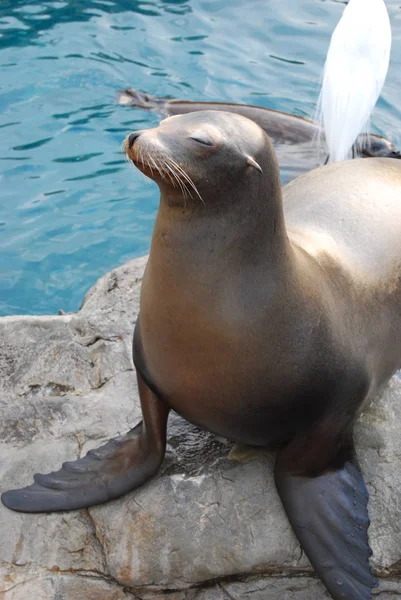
(378, 146)
(207, 156)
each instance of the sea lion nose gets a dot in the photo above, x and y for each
(132, 137)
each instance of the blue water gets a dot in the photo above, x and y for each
(70, 207)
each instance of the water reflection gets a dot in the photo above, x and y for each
(22, 24)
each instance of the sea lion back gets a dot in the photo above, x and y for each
(353, 209)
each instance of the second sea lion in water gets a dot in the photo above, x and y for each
(268, 316)
(284, 129)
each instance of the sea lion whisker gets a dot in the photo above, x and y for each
(150, 166)
(141, 159)
(182, 183)
(138, 172)
(154, 164)
(165, 173)
(124, 151)
(193, 186)
(159, 169)
(158, 166)
(180, 171)
(140, 155)
(175, 178)
(171, 177)
(187, 177)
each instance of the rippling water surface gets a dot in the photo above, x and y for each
(70, 207)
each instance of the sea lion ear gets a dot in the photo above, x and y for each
(252, 163)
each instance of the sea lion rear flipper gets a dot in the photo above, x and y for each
(330, 518)
(108, 472)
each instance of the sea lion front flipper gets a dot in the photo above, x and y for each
(108, 472)
(330, 518)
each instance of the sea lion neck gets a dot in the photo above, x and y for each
(243, 225)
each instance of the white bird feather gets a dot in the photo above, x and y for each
(354, 74)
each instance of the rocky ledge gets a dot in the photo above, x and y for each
(209, 526)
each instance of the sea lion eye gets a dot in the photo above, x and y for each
(201, 139)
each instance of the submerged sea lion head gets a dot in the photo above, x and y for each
(378, 146)
(207, 156)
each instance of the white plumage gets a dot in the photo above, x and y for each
(354, 73)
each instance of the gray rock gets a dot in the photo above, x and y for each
(60, 586)
(209, 526)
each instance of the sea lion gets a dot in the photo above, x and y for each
(268, 316)
(283, 128)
